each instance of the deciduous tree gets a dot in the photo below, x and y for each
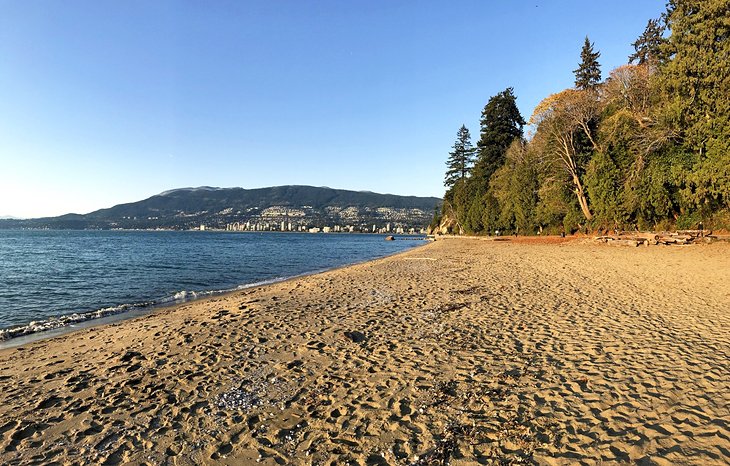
(563, 118)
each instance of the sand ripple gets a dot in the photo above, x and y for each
(461, 352)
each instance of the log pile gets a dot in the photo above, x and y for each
(636, 238)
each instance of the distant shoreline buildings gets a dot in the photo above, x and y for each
(332, 220)
(304, 227)
(283, 209)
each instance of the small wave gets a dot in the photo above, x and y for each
(66, 320)
(182, 296)
(176, 298)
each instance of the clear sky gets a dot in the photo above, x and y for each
(107, 102)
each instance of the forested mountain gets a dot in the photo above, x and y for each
(646, 148)
(218, 207)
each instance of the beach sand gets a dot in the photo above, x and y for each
(463, 351)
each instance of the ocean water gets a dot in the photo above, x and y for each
(52, 279)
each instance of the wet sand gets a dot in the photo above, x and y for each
(460, 352)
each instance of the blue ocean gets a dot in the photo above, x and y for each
(54, 279)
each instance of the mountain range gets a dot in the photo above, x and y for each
(279, 207)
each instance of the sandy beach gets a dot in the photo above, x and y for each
(460, 352)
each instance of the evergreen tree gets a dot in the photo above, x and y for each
(501, 124)
(696, 82)
(588, 74)
(648, 46)
(514, 187)
(460, 159)
(650, 150)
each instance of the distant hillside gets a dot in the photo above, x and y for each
(302, 206)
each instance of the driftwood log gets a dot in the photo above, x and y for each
(636, 238)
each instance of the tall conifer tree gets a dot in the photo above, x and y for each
(588, 74)
(460, 159)
(648, 46)
(696, 81)
(501, 124)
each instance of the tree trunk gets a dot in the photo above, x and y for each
(582, 198)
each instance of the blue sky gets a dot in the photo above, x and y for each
(110, 102)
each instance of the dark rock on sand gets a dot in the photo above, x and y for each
(357, 337)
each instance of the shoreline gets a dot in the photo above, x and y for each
(465, 351)
(133, 311)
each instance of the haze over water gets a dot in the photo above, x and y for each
(48, 274)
